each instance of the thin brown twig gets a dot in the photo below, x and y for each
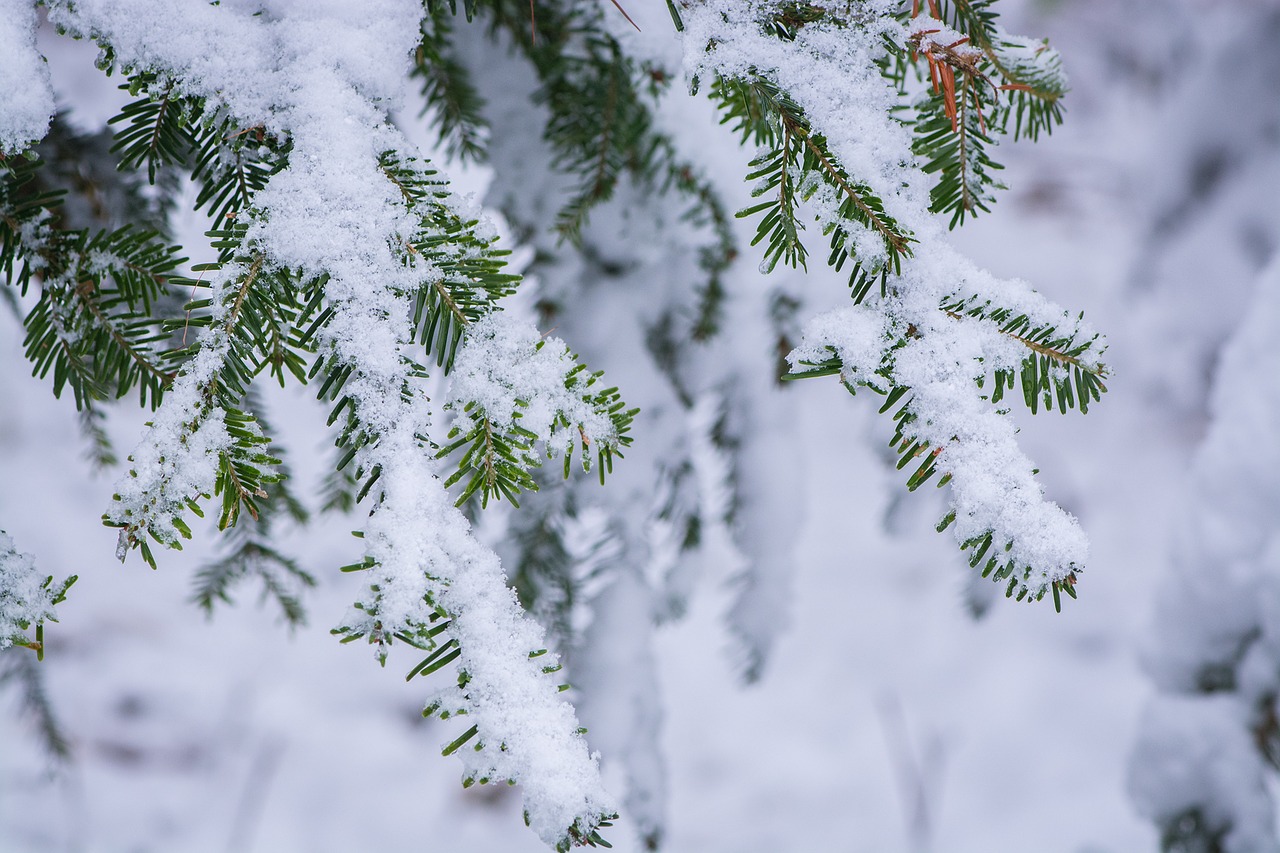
(618, 6)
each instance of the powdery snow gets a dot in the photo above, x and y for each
(27, 105)
(514, 375)
(25, 597)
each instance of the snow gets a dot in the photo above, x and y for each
(25, 596)
(27, 106)
(857, 336)
(830, 71)
(511, 373)
(993, 485)
(177, 461)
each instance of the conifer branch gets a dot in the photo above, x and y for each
(209, 428)
(27, 599)
(447, 91)
(250, 549)
(93, 325)
(899, 244)
(1064, 366)
(764, 112)
(19, 669)
(156, 128)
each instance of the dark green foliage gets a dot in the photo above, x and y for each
(472, 270)
(793, 167)
(265, 320)
(1054, 370)
(975, 18)
(228, 162)
(586, 836)
(1033, 92)
(600, 124)
(94, 327)
(1010, 86)
(497, 462)
(978, 85)
(788, 18)
(463, 278)
(249, 550)
(443, 650)
(57, 593)
(275, 318)
(1030, 91)
(105, 283)
(780, 226)
(231, 164)
(957, 154)
(156, 130)
(423, 637)
(447, 92)
(600, 107)
(105, 321)
(273, 314)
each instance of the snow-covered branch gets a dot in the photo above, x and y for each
(811, 83)
(324, 75)
(26, 597)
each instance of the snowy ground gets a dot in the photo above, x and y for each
(889, 720)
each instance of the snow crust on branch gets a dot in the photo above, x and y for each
(831, 72)
(25, 594)
(176, 462)
(324, 73)
(509, 370)
(27, 106)
(994, 489)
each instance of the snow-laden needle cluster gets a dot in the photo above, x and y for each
(27, 597)
(819, 88)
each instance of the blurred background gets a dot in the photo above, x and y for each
(901, 707)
